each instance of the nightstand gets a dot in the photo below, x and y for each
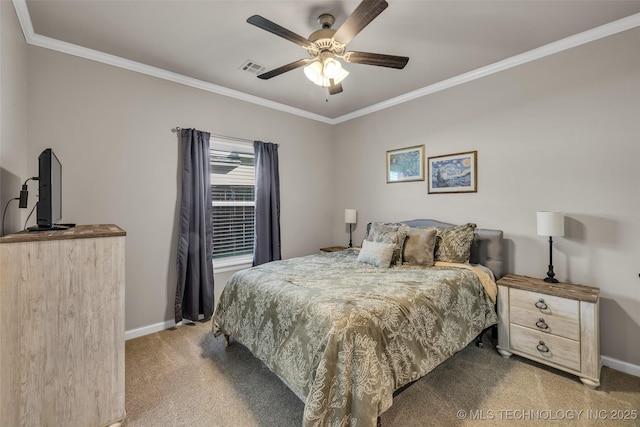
(552, 323)
(333, 249)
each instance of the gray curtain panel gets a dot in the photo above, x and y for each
(194, 290)
(266, 245)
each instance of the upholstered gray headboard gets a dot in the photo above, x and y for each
(486, 248)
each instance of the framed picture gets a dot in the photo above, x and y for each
(405, 164)
(453, 173)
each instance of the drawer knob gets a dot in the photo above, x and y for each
(542, 348)
(541, 304)
(541, 324)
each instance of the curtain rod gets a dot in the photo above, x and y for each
(230, 138)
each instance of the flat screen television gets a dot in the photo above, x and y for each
(49, 190)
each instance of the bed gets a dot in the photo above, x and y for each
(344, 334)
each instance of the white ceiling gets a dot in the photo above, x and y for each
(207, 41)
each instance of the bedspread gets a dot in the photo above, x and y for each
(346, 335)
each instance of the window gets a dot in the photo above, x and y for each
(233, 200)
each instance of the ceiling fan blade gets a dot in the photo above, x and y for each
(378, 59)
(276, 29)
(360, 18)
(277, 71)
(335, 89)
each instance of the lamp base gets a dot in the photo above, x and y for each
(551, 275)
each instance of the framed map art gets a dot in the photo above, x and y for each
(405, 164)
(453, 173)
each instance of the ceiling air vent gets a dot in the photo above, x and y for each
(251, 67)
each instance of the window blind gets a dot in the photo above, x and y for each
(233, 199)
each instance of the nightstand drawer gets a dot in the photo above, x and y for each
(548, 348)
(544, 304)
(567, 327)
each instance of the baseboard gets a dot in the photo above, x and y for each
(150, 329)
(146, 330)
(619, 365)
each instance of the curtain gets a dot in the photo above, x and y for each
(266, 245)
(194, 290)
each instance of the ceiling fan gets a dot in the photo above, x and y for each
(326, 46)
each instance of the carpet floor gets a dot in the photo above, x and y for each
(186, 377)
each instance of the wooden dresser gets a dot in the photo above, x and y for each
(552, 323)
(62, 339)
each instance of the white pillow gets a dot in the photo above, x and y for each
(376, 253)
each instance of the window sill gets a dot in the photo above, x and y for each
(232, 263)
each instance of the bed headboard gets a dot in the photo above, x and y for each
(486, 248)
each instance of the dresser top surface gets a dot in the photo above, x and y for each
(563, 290)
(77, 232)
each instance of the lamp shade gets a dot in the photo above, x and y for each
(550, 223)
(313, 72)
(331, 68)
(350, 216)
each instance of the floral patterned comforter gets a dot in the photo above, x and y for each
(346, 335)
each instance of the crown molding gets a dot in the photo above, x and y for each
(72, 49)
(588, 36)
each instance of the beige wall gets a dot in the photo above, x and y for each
(560, 133)
(13, 115)
(111, 129)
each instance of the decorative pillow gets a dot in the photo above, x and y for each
(453, 244)
(383, 232)
(381, 226)
(376, 253)
(419, 247)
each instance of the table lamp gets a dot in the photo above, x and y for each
(550, 224)
(350, 216)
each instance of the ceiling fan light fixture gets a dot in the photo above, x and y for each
(317, 74)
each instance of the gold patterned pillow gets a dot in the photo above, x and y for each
(382, 226)
(389, 233)
(453, 244)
